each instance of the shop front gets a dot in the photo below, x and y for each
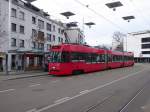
(2, 58)
(34, 61)
(25, 61)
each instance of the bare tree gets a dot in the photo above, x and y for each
(103, 46)
(117, 43)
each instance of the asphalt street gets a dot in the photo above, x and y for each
(117, 90)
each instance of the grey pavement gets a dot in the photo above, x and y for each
(104, 91)
(21, 74)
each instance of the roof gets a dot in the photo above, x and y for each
(140, 32)
(36, 10)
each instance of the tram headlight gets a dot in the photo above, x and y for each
(53, 68)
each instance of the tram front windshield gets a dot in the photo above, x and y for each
(58, 57)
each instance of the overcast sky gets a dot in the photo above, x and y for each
(102, 32)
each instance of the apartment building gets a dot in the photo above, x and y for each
(139, 43)
(27, 34)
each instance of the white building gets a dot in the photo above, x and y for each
(27, 33)
(75, 35)
(139, 43)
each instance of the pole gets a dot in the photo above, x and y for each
(9, 36)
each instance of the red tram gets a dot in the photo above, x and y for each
(69, 59)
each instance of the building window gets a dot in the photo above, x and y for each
(34, 33)
(13, 42)
(54, 38)
(21, 43)
(59, 30)
(33, 20)
(48, 27)
(40, 36)
(41, 46)
(145, 52)
(48, 46)
(59, 39)
(41, 24)
(147, 39)
(49, 37)
(21, 15)
(62, 32)
(13, 27)
(54, 28)
(22, 29)
(33, 45)
(13, 12)
(145, 46)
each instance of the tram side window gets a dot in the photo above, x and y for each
(118, 58)
(94, 57)
(74, 57)
(121, 58)
(114, 58)
(125, 58)
(81, 56)
(102, 58)
(65, 57)
(109, 58)
(88, 57)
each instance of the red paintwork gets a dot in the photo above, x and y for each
(115, 64)
(128, 63)
(68, 68)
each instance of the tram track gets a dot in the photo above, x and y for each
(139, 92)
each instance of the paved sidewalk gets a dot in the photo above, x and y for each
(21, 74)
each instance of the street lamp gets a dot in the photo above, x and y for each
(114, 5)
(89, 24)
(67, 14)
(128, 18)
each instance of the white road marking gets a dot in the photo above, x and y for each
(7, 90)
(84, 92)
(78, 95)
(131, 100)
(33, 85)
(32, 110)
(62, 100)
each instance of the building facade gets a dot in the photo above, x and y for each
(27, 34)
(30, 34)
(139, 43)
(75, 35)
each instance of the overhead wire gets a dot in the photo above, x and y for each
(100, 15)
